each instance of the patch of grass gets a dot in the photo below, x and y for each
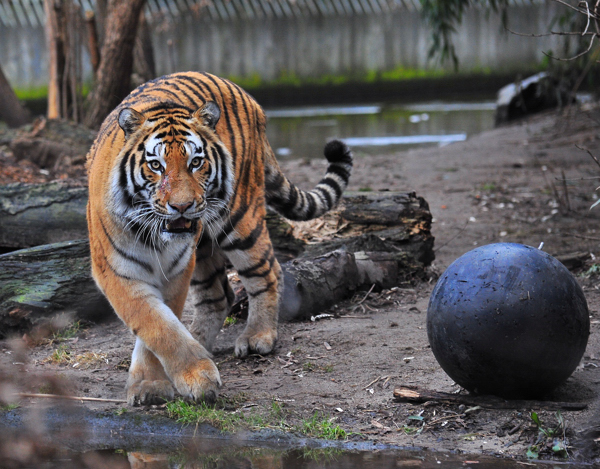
(252, 417)
(489, 187)
(554, 438)
(365, 189)
(121, 411)
(309, 366)
(61, 355)
(230, 321)
(593, 271)
(8, 407)
(322, 455)
(226, 421)
(319, 426)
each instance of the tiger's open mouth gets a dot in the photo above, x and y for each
(180, 225)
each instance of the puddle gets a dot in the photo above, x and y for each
(374, 128)
(79, 438)
(208, 453)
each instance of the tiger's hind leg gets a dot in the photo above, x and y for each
(213, 292)
(261, 274)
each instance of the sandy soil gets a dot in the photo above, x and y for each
(500, 186)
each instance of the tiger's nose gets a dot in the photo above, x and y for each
(181, 208)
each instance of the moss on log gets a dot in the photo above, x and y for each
(39, 282)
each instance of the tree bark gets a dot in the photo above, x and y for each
(116, 59)
(32, 214)
(93, 42)
(11, 110)
(39, 283)
(64, 68)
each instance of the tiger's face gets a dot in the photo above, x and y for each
(175, 174)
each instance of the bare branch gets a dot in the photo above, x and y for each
(576, 56)
(552, 33)
(589, 153)
(587, 7)
(583, 12)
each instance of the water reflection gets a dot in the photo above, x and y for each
(302, 132)
(321, 458)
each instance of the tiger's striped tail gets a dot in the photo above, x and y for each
(297, 204)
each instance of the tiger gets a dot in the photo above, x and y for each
(180, 176)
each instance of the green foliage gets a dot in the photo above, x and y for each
(555, 438)
(61, 355)
(444, 16)
(593, 271)
(67, 333)
(189, 413)
(319, 426)
(220, 416)
(8, 407)
(230, 321)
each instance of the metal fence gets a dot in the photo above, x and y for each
(31, 12)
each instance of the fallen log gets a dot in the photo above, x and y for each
(416, 395)
(36, 214)
(37, 283)
(374, 221)
(40, 282)
(371, 239)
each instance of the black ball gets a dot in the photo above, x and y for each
(508, 320)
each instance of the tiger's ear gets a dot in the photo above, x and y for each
(209, 114)
(130, 120)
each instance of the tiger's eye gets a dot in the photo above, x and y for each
(196, 162)
(155, 165)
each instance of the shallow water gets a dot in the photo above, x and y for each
(206, 455)
(373, 128)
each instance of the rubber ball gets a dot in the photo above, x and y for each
(508, 320)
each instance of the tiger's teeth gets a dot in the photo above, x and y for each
(188, 224)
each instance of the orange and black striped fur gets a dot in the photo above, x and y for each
(180, 176)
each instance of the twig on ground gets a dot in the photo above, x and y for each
(69, 398)
(453, 237)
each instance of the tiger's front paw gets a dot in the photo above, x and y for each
(199, 382)
(148, 392)
(262, 342)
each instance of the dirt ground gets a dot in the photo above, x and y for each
(504, 185)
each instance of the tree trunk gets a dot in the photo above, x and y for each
(93, 42)
(64, 68)
(143, 53)
(116, 59)
(11, 110)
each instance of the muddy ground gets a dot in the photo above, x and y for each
(500, 186)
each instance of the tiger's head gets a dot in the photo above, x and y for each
(175, 175)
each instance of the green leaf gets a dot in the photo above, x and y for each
(415, 417)
(536, 419)
(533, 452)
